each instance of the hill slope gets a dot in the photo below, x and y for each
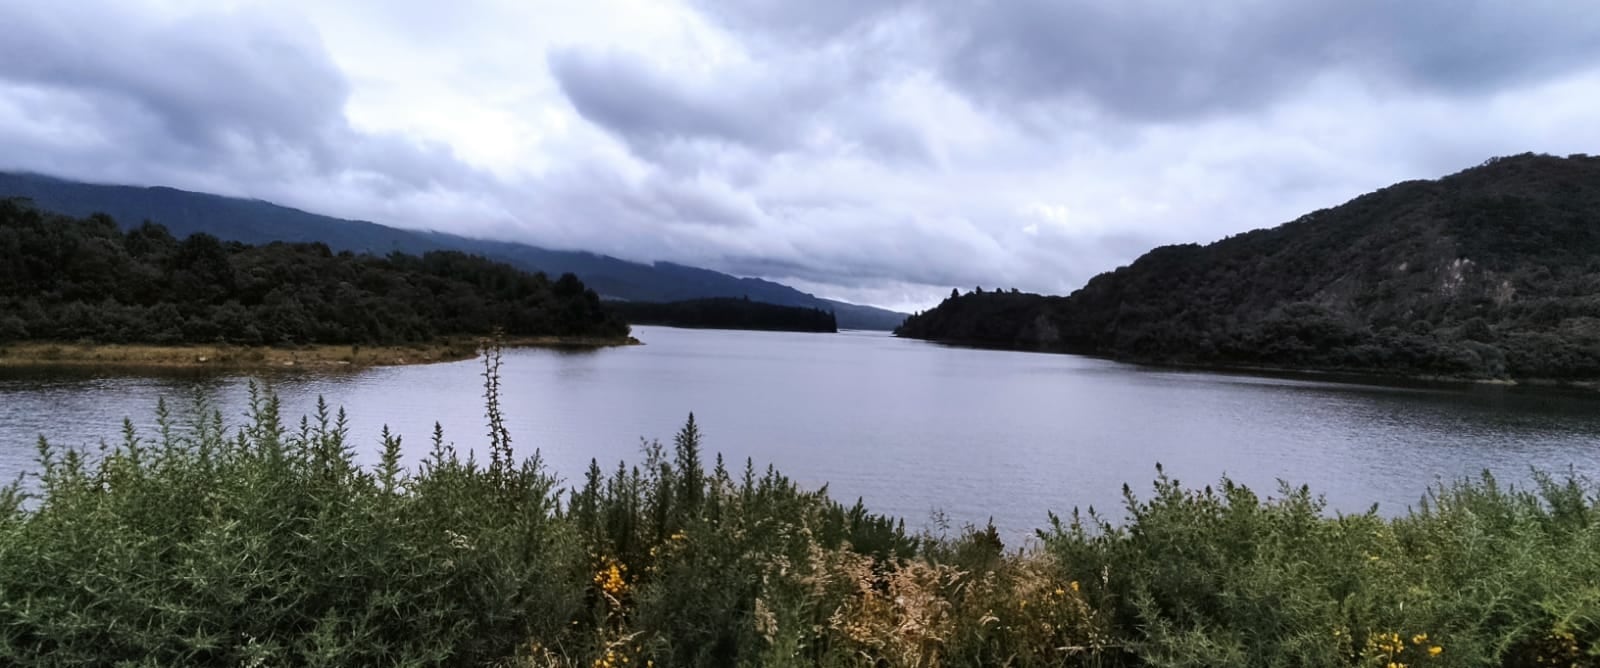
(258, 222)
(1492, 272)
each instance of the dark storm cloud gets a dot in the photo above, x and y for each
(764, 110)
(1175, 59)
(1170, 60)
(817, 20)
(240, 101)
(625, 94)
(204, 80)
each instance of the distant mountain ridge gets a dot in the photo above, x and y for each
(258, 222)
(1492, 272)
(728, 313)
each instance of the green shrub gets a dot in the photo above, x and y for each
(1479, 575)
(271, 547)
(268, 545)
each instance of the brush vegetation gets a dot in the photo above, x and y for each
(1490, 273)
(267, 544)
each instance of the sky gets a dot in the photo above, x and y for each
(876, 151)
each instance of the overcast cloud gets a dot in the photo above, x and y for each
(879, 152)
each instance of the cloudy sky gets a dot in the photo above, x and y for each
(876, 151)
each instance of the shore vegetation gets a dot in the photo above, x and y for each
(267, 543)
(83, 282)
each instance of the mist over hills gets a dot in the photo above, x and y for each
(1492, 272)
(258, 222)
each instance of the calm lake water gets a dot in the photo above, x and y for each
(911, 427)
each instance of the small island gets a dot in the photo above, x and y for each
(728, 313)
(80, 291)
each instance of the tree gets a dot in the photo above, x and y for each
(568, 286)
(67, 278)
(691, 488)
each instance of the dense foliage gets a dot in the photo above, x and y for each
(1493, 272)
(257, 222)
(269, 546)
(68, 279)
(728, 313)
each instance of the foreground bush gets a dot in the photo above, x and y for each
(269, 546)
(1478, 576)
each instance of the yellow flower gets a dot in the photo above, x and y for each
(1419, 638)
(1435, 650)
(610, 578)
(1074, 585)
(1060, 591)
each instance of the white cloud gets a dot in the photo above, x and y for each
(881, 151)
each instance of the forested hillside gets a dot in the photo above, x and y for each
(728, 313)
(84, 279)
(258, 222)
(1493, 272)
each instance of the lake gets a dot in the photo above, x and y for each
(911, 427)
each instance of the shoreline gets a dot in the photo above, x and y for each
(1355, 376)
(46, 354)
(734, 329)
(1366, 376)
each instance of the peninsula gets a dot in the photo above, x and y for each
(79, 291)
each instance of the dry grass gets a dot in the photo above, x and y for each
(223, 356)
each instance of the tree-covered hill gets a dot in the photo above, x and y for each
(728, 313)
(1493, 272)
(257, 222)
(84, 279)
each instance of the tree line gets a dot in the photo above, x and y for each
(728, 313)
(85, 280)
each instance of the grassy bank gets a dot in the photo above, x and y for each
(268, 545)
(222, 356)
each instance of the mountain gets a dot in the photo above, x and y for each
(258, 222)
(728, 313)
(1492, 272)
